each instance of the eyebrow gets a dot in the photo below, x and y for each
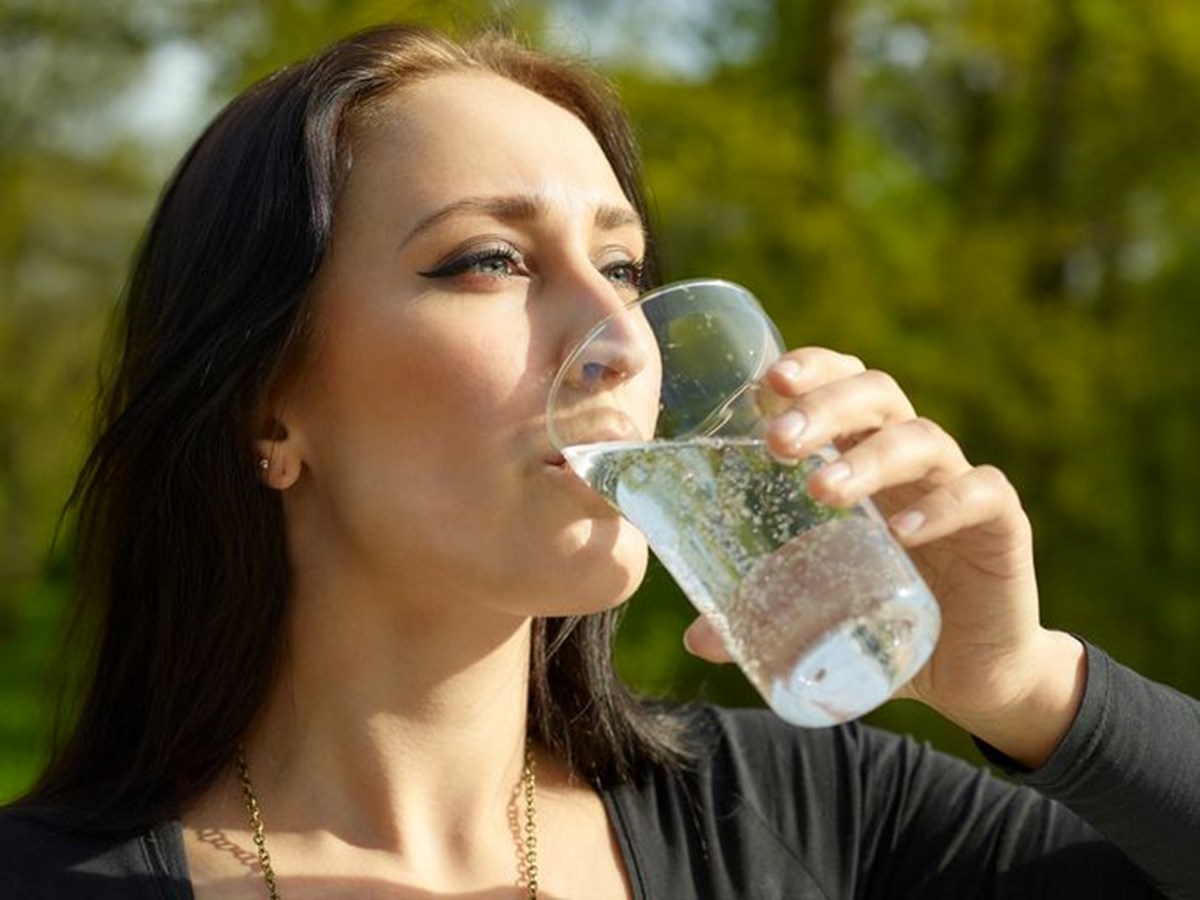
(518, 208)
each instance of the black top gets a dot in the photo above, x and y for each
(771, 811)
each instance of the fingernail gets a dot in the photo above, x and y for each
(788, 368)
(790, 426)
(835, 473)
(687, 642)
(907, 523)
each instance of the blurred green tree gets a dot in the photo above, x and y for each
(995, 201)
(74, 189)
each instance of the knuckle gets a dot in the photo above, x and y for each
(983, 486)
(852, 363)
(929, 429)
(993, 479)
(806, 355)
(880, 380)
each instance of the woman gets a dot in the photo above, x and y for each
(354, 616)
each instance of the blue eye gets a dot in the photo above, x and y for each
(625, 274)
(494, 262)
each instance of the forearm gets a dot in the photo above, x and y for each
(1130, 767)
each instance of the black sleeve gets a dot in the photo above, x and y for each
(1115, 812)
(1130, 766)
(879, 816)
(771, 811)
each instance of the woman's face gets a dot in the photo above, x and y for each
(481, 231)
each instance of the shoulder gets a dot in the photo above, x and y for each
(803, 780)
(780, 801)
(756, 748)
(737, 757)
(795, 812)
(40, 859)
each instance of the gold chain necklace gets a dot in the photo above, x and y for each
(528, 842)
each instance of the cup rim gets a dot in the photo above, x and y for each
(640, 300)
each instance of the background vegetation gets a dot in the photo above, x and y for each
(998, 201)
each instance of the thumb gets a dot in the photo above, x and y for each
(702, 640)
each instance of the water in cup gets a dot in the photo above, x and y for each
(820, 608)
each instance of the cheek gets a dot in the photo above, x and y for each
(406, 412)
(434, 377)
(455, 390)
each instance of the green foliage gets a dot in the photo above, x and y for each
(29, 625)
(994, 205)
(994, 201)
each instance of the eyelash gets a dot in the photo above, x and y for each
(635, 267)
(462, 265)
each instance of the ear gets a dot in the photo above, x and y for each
(276, 457)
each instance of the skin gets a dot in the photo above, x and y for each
(428, 519)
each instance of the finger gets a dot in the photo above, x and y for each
(915, 451)
(981, 498)
(701, 639)
(838, 412)
(802, 369)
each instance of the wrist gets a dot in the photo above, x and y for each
(1030, 727)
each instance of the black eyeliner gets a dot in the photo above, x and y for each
(459, 264)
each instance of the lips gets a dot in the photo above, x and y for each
(595, 425)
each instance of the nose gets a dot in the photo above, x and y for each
(612, 341)
(615, 354)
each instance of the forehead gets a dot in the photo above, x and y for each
(477, 134)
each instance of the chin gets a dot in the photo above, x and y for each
(599, 573)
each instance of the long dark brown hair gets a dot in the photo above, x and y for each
(183, 572)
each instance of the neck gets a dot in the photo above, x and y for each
(393, 733)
